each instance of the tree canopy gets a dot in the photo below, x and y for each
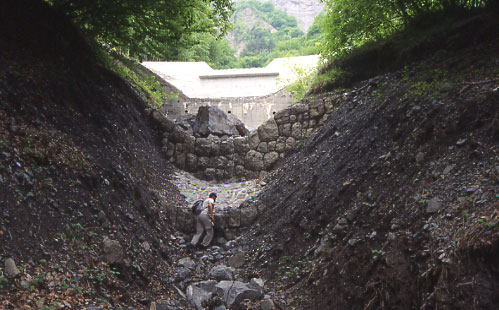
(148, 28)
(351, 23)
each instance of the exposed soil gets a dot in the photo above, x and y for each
(391, 205)
(79, 160)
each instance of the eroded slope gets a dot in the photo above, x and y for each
(393, 203)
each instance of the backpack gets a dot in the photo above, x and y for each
(197, 207)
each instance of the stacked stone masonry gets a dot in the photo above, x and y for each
(236, 158)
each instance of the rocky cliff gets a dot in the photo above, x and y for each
(304, 10)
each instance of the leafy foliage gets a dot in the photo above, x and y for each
(273, 35)
(148, 86)
(308, 44)
(298, 86)
(349, 24)
(216, 52)
(147, 29)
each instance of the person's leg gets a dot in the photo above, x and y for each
(199, 231)
(208, 228)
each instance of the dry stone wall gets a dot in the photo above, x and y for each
(235, 157)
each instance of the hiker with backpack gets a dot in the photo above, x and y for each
(205, 219)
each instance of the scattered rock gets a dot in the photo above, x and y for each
(113, 252)
(461, 142)
(434, 205)
(221, 272)
(448, 169)
(237, 260)
(181, 274)
(234, 292)
(267, 304)
(201, 291)
(187, 262)
(391, 236)
(420, 157)
(11, 269)
(353, 241)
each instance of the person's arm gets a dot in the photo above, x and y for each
(211, 209)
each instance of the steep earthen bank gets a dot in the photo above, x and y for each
(392, 204)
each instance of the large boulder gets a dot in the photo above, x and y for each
(226, 146)
(296, 131)
(249, 215)
(253, 139)
(241, 128)
(178, 134)
(191, 161)
(268, 131)
(11, 269)
(203, 147)
(235, 292)
(221, 273)
(254, 161)
(163, 122)
(186, 122)
(201, 291)
(113, 252)
(212, 120)
(241, 145)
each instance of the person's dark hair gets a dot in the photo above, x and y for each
(213, 195)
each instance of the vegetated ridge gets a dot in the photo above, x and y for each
(263, 32)
(304, 11)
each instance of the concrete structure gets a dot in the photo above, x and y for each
(235, 157)
(253, 111)
(253, 95)
(199, 80)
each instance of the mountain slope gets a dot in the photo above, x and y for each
(393, 203)
(79, 163)
(305, 10)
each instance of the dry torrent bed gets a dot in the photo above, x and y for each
(229, 195)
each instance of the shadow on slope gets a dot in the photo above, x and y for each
(393, 203)
(79, 161)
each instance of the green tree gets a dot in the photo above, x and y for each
(147, 28)
(348, 24)
(216, 52)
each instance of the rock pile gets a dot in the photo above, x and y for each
(215, 146)
(204, 281)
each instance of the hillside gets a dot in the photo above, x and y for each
(392, 204)
(79, 162)
(303, 11)
(263, 32)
